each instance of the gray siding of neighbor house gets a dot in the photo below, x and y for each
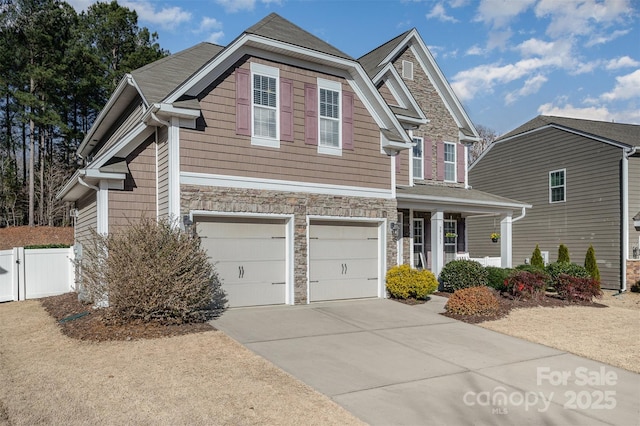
(634, 204)
(519, 169)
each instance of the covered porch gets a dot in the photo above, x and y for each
(432, 225)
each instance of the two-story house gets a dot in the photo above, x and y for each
(581, 176)
(292, 160)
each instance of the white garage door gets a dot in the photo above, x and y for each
(343, 261)
(249, 256)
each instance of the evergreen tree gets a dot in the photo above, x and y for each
(563, 254)
(590, 263)
(536, 258)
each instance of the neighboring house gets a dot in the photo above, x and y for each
(292, 159)
(582, 178)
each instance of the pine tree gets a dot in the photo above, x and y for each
(590, 263)
(536, 258)
(563, 254)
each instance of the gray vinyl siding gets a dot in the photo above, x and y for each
(163, 173)
(634, 203)
(519, 169)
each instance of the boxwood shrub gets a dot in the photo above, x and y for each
(459, 274)
(405, 282)
(496, 277)
(555, 269)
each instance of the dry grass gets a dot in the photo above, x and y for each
(609, 335)
(204, 378)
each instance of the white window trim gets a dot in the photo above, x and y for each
(259, 69)
(564, 186)
(454, 162)
(413, 172)
(336, 87)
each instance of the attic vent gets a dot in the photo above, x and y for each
(407, 70)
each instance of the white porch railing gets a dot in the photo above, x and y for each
(484, 261)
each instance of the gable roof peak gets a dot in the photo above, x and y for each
(275, 27)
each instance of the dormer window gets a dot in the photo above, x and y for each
(407, 70)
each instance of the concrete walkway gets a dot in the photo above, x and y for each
(389, 363)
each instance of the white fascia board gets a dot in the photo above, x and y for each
(132, 81)
(97, 174)
(68, 186)
(128, 138)
(207, 179)
(462, 201)
(408, 96)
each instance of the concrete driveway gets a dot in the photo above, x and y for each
(389, 363)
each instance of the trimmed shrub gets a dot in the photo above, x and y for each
(590, 263)
(577, 288)
(530, 268)
(152, 271)
(536, 258)
(404, 282)
(46, 246)
(563, 254)
(496, 277)
(635, 288)
(473, 301)
(527, 285)
(555, 269)
(459, 274)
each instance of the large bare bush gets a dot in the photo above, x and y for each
(152, 271)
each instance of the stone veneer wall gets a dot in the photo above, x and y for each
(301, 205)
(633, 272)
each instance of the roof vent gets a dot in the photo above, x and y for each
(407, 70)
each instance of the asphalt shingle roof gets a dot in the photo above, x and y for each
(628, 134)
(158, 79)
(277, 28)
(446, 192)
(371, 61)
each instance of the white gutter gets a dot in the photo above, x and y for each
(524, 212)
(625, 215)
(83, 183)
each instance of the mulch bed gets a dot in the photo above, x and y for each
(81, 321)
(507, 303)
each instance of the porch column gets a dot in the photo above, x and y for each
(506, 240)
(437, 242)
(102, 207)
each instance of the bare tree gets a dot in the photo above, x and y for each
(487, 135)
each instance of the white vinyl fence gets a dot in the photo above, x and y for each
(34, 273)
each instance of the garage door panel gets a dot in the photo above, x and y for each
(244, 248)
(343, 261)
(249, 258)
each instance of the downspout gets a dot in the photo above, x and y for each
(625, 216)
(524, 212)
(83, 183)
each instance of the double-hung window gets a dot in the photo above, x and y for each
(557, 186)
(264, 93)
(418, 158)
(330, 125)
(449, 162)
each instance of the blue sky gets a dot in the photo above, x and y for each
(507, 60)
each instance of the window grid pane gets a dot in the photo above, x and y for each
(329, 132)
(557, 186)
(329, 118)
(418, 158)
(264, 106)
(329, 104)
(449, 162)
(264, 122)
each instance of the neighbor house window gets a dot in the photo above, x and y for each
(418, 158)
(557, 186)
(264, 84)
(329, 96)
(449, 162)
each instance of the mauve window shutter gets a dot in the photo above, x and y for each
(310, 114)
(347, 120)
(286, 110)
(460, 160)
(243, 102)
(427, 155)
(440, 160)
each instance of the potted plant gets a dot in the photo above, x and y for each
(450, 235)
(495, 237)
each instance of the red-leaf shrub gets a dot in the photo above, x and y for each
(527, 285)
(577, 288)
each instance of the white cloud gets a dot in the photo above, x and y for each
(568, 110)
(577, 17)
(499, 13)
(602, 39)
(80, 5)
(236, 5)
(207, 24)
(474, 50)
(531, 86)
(498, 39)
(167, 17)
(621, 62)
(438, 12)
(627, 87)
(216, 37)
